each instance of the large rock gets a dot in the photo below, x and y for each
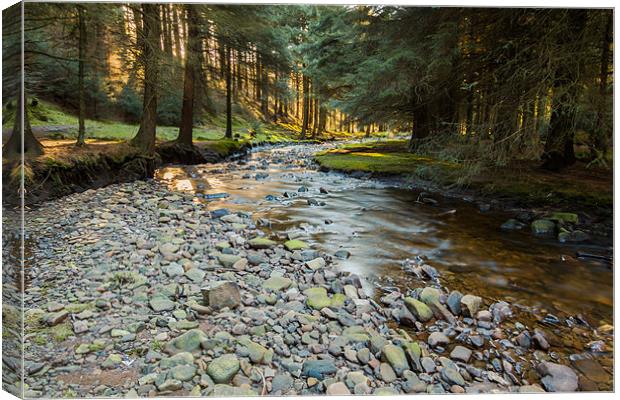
(223, 368)
(418, 309)
(557, 377)
(396, 357)
(318, 368)
(543, 227)
(470, 305)
(190, 341)
(438, 339)
(221, 294)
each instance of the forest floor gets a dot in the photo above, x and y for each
(522, 182)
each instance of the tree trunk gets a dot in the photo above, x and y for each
(306, 107)
(192, 54)
(177, 35)
(81, 90)
(145, 138)
(12, 149)
(228, 95)
(420, 127)
(559, 148)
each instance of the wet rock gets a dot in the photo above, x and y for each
(539, 340)
(221, 294)
(543, 227)
(557, 377)
(592, 370)
(342, 254)
(511, 225)
(223, 368)
(573, 237)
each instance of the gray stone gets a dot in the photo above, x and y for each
(222, 369)
(438, 339)
(221, 294)
(557, 377)
(470, 305)
(461, 353)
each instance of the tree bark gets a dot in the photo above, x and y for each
(145, 138)
(81, 90)
(228, 95)
(601, 133)
(192, 55)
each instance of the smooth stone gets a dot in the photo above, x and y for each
(190, 341)
(160, 303)
(295, 244)
(543, 227)
(418, 309)
(396, 357)
(227, 260)
(338, 389)
(438, 339)
(454, 302)
(461, 353)
(277, 283)
(222, 369)
(317, 298)
(261, 243)
(318, 368)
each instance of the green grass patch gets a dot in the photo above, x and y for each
(388, 157)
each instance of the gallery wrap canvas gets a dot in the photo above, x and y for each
(226, 199)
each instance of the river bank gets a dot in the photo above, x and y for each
(116, 300)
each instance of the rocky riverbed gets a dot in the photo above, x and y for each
(138, 289)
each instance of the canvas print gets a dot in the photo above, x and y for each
(305, 200)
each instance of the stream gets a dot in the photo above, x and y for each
(382, 224)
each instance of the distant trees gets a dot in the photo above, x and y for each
(484, 84)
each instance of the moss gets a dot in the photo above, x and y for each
(387, 157)
(61, 332)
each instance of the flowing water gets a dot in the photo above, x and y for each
(382, 225)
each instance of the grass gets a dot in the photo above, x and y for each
(579, 187)
(387, 157)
